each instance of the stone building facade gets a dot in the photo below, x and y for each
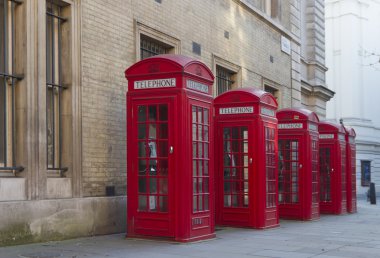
(62, 91)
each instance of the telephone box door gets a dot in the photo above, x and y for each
(343, 178)
(234, 173)
(289, 171)
(326, 174)
(152, 130)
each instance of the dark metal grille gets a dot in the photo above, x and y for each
(150, 48)
(271, 91)
(54, 86)
(274, 92)
(223, 79)
(8, 80)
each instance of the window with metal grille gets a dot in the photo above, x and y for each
(271, 90)
(8, 82)
(151, 47)
(54, 85)
(272, 8)
(224, 80)
(275, 92)
(201, 160)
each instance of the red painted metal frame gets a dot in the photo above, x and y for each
(297, 124)
(332, 138)
(188, 83)
(262, 209)
(351, 170)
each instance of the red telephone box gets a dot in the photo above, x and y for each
(169, 147)
(298, 174)
(351, 170)
(246, 159)
(332, 168)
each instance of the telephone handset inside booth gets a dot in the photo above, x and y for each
(152, 154)
(152, 145)
(229, 157)
(281, 167)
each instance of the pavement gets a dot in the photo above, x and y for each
(352, 235)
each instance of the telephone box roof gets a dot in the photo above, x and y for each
(246, 94)
(350, 131)
(287, 114)
(326, 126)
(169, 63)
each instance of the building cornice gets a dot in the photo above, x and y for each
(319, 65)
(367, 143)
(319, 91)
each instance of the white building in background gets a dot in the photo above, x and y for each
(353, 59)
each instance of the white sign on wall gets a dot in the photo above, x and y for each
(285, 45)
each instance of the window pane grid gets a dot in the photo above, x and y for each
(235, 166)
(365, 172)
(288, 178)
(325, 176)
(314, 170)
(343, 172)
(270, 167)
(353, 172)
(152, 134)
(8, 79)
(200, 150)
(224, 80)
